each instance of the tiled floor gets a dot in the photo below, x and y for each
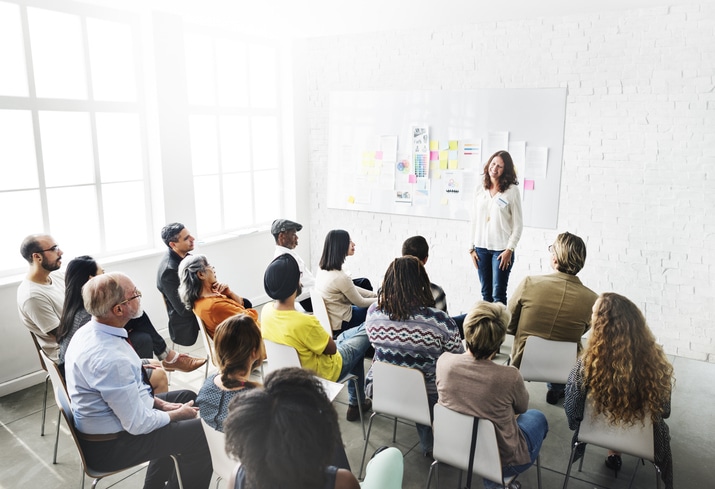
(27, 456)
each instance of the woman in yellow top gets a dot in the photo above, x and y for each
(496, 226)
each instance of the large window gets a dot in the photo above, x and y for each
(234, 123)
(72, 131)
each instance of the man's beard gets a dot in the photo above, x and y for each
(51, 267)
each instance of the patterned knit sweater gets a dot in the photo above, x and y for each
(415, 343)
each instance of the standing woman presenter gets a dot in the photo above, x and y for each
(496, 226)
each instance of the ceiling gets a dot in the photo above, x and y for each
(315, 18)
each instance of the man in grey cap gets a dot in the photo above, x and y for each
(285, 234)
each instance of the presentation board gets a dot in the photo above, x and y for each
(422, 153)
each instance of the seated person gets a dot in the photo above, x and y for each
(407, 330)
(627, 376)
(472, 384)
(285, 435)
(417, 246)
(118, 420)
(285, 233)
(237, 345)
(142, 335)
(210, 300)
(41, 293)
(555, 306)
(345, 301)
(328, 358)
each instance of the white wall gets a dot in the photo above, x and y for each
(639, 155)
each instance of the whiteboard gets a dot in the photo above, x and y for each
(365, 125)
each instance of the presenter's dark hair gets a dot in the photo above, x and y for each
(285, 434)
(335, 249)
(508, 177)
(78, 273)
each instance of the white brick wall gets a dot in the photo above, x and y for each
(639, 154)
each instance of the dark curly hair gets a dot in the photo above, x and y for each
(285, 434)
(405, 289)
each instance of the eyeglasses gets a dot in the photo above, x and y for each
(51, 248)
(551, 249)
(137, 295)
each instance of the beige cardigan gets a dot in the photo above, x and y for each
(340, 294)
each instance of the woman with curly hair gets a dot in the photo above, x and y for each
(496, 226)
(407, 330)
(627, 376)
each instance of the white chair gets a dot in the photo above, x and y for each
(385, 470)
(223, 463)
(452, 445)
(47, 383)
(63, 402)
(397, 392)
(208, 345)
(320, 311)
(283, 356)
(547, 360)
(636, 440)
(57, 382)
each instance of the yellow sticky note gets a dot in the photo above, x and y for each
(351, 200)
(434, 165)
(444, 201)
(436, 175)
(443, 164)
(453, 145)
(444, 155)
(433, 145)
(453, 164)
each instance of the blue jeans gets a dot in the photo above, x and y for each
(494, 280)
(352, 345)
(534, 426)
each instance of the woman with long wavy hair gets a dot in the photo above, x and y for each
(627, 376)
(496, 226)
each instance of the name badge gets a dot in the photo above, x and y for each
(502, 202)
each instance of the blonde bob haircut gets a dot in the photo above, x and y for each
(485, 328)
(570, 253)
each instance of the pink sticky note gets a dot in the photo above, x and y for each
(528, 185)
(378, 155)
(412, 178)
(434, 155)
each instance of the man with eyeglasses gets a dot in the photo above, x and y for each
(120, 422)
(41, 294)
(556, 306)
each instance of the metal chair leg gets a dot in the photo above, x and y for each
(57, 436)
(364, 450)
(44, 405)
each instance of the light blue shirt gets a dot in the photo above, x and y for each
(104, 381)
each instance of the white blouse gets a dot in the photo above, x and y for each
(497, 221)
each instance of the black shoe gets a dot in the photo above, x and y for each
(553, 396)
(614, 463)
(354, 413)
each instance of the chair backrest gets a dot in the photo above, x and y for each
(400, 392)
(58, 383)
(208, 342)
(39, 349)
(547, 360)
(634, 440)
(320, 311)
(453, 438)
(279, 356)
(223, 463)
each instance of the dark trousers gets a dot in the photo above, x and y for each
(182, 438)
(144, 337)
